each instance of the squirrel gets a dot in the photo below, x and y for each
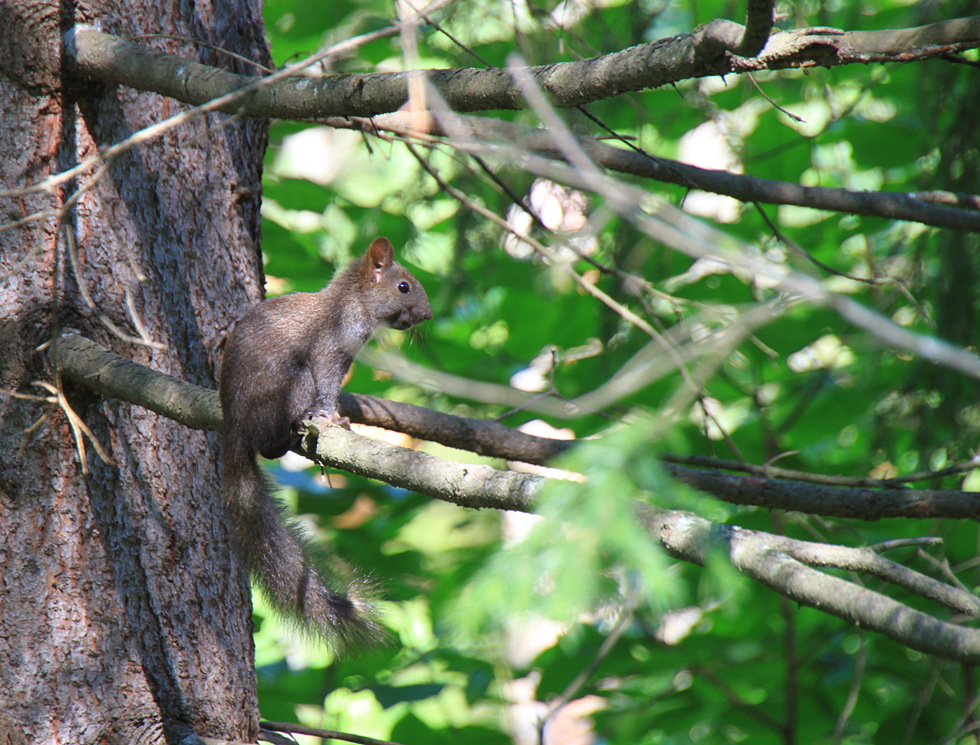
(284, 361)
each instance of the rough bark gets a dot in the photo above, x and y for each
(125, 616)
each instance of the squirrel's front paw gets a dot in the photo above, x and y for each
(333, 415)
(340, 421)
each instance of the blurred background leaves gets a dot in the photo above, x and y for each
(491, 615)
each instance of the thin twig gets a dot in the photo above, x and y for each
(880, 548)
(326, 734)
(199, 43)
(83, 291)
(579, 680)
(893, 281)
(857, 680)
(775, 472)
(78, 427)
(622, 310)
(790, 114)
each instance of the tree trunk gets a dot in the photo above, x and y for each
(124, 615)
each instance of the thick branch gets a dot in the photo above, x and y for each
(83, 361)
(828, 47)
(866, 560)
(692, 539)
(480, 436)
(467, 485)
(100, 57)
(86, 362)
(105, 58)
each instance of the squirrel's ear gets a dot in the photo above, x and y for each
(380, 255)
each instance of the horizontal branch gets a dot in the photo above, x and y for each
(889, 205)
(105, 58)
(481, 436)
(83, 361)
(769, 470)
(829, 501)
(468, 485)
(828, 47)
(96, 56)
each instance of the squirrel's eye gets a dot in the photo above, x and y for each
(403, 288)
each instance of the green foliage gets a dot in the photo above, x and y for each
(587, 549)
(807, 388)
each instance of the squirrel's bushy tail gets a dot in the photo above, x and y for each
(330, 602)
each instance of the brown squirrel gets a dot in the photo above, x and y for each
(284, 362)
